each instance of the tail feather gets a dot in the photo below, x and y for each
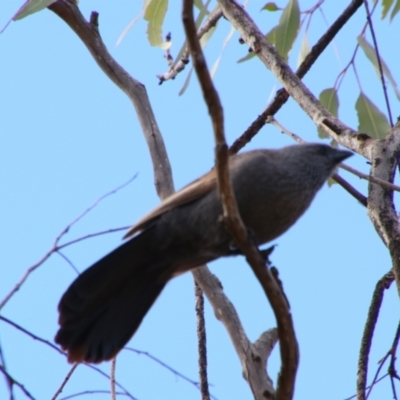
(105, 305)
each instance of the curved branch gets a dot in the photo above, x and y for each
(89, 34)
(288, 343)
(373, 314)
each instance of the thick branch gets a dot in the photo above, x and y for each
(253, 359)
(89, 34)
(381, 208)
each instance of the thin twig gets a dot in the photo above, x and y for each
(378, 380)
(392, 367)
(55, 246)
(376, 376)
(50, 344)
(366, 341)
(341, 181)
(211, 22)
(369, 178)
(68, 261)
(112, 380)
(64, 382)
(163, 364)
(350, 189)
(92, 235)
(7, 378)
(202, 342)
(84, 393)
(16, 383)
(378, 58)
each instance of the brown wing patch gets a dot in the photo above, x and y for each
(193, 191)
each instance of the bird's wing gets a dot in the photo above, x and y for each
(193, 191)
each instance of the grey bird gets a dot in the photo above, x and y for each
(104, 306)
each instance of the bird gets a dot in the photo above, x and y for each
(102, 309)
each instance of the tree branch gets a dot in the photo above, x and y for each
(282, 95)
(202, 341)
(179, 66)
(381, 209)
(342, 182)
(64, 382)
(289, 347)
(89, 34)
(255, 39)
(366, 341)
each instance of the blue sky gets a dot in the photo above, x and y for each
(69, 135)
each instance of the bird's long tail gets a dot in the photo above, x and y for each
(105, 305)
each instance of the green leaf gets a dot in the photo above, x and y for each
(215, 66)
(386, 4)
(304, 49)
(186, 83)
(330, 100)
(271, 35)
(154, 14)
(370, 119)
(287, 29)
(202, 7)
(270, 6)
(371, 55)
(30, 7)
(248, 57)
(396, 9)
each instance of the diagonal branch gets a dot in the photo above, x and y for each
(366, 341)
(378, 59)
(89, 34)
(342, 182)
(54, 347)
(282, 95)
(254, 38)
(211, 22)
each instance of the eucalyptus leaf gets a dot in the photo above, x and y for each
(154, 14)
(304, 49)
(396, 9)
(386, 4)
(330, 100)
(371, 55)
(287, 29)
(370, 119)
(31, 7)
(270, 6)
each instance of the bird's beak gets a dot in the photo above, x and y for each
(341, 155)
